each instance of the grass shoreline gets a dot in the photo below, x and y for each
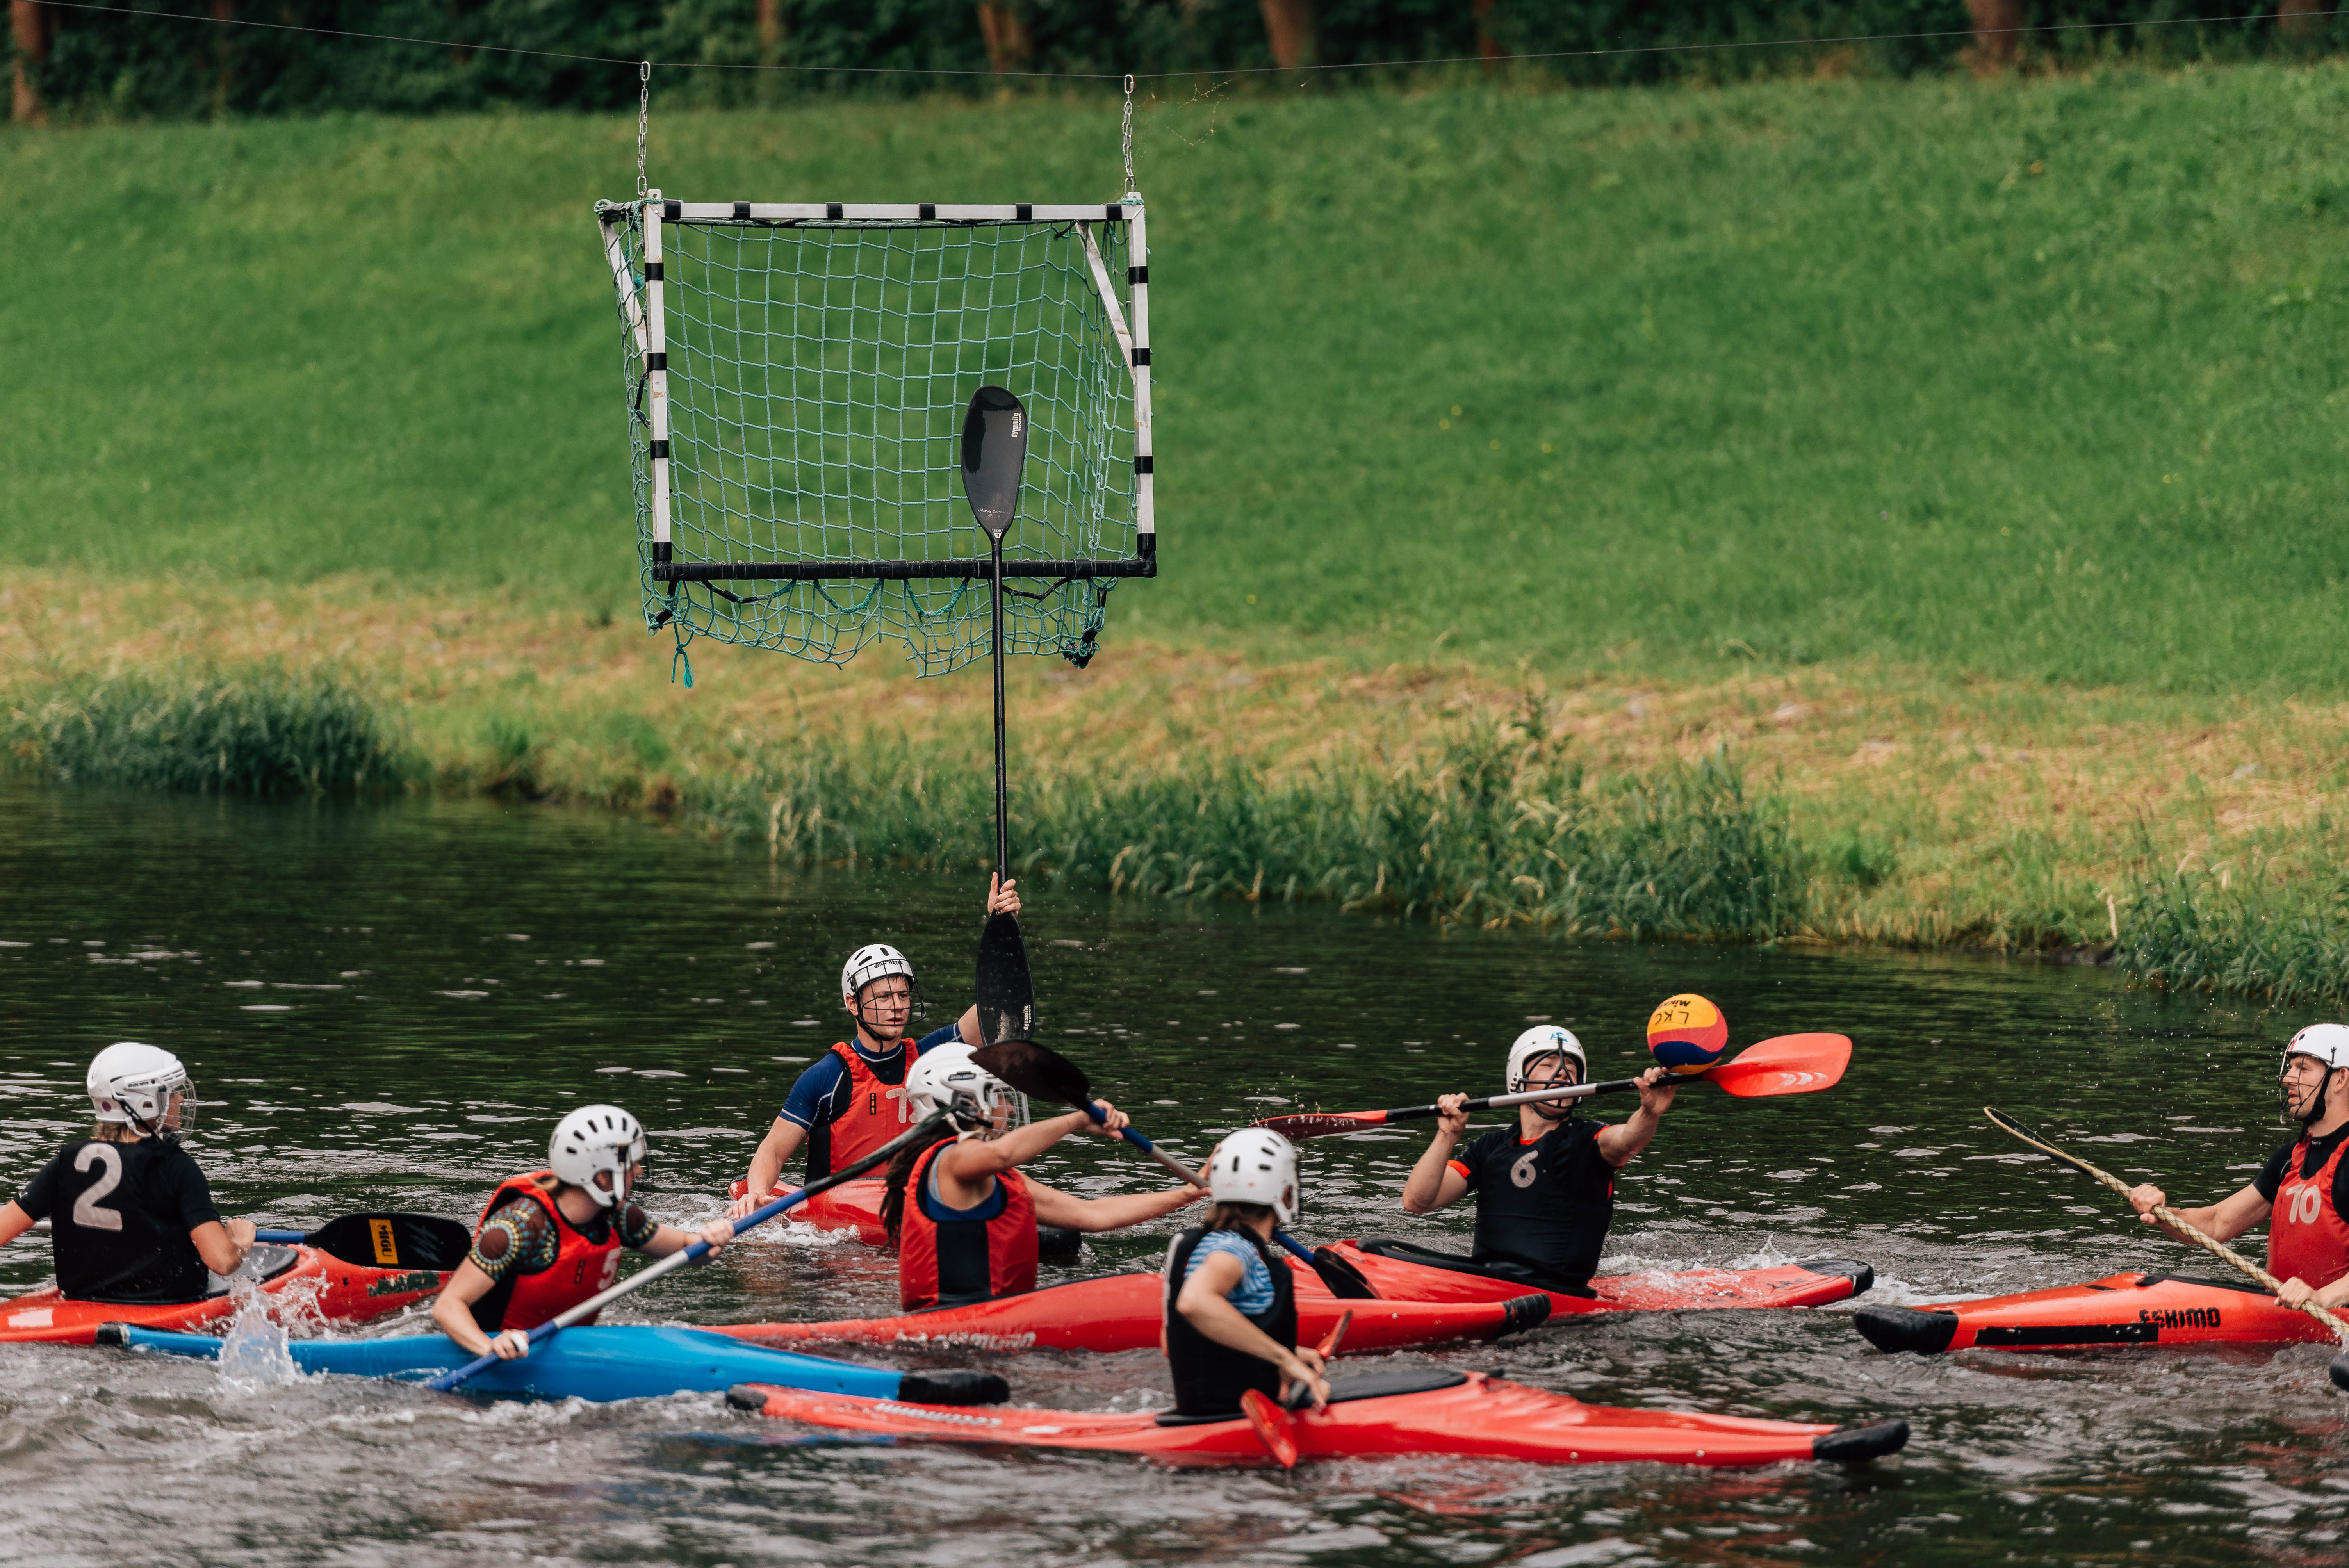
(2191, 839)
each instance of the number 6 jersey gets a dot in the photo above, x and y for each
(1546, 1204)
(119, 1214)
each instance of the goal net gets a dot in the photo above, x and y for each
(797, 377)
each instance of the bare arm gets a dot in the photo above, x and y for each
(965, 1168)
(14, 1222)
(1054, 1207)
(1432, 1183)
(452, 1314)
(2226, 1218)
(223, 1243)
(1205, 1301)
(775, 1150)
(669, 1239)
(1620, 1144)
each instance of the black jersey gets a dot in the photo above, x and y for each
(119, 1214)
(2277, 1168)
(1546, 1204)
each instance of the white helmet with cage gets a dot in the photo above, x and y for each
(597, 1139)
(976, 1102)
(1255, 1165)
(873, 960)
(2328, 1043)
(1539, 1044)
(137, 1084)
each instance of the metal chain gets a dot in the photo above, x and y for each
(644, 119)
(1129, 132)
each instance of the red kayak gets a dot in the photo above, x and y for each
(1395, 1412)
(1121, 1311)
(1399, 1271)
(294, 1282)
(2125, 1309)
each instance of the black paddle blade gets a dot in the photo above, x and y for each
(1346, 1281)
(993, 451)
(1037, 1072)
(1007, 994)
(394, 1242)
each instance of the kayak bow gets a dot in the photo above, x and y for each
(292, 1282)
(1405, 1411)
(1400, 1271)
(627, 1362)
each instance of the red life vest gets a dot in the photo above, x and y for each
(959, 1260)
(875, 1112)
(2307, 1237)
(582, 1267)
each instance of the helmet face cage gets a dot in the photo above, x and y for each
(164, 1106)
(984, 1105)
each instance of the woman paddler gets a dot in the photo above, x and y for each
(851, 1099)
(962, 1213)
(551, 1239)
(131, 1215)
(1231, 1304)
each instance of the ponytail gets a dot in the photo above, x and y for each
(900, 1171)
(1243, 1217)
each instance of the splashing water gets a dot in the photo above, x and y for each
(254, 1355)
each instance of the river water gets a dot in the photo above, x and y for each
(387, 1007)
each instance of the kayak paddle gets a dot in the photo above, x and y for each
(1271, 1422)
(693, 1253)
(1044, 1072)
(378, 1241)
(2177, 1223)
(994, 456)
(1789, 1064)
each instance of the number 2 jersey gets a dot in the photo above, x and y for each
(119, 1214)
(1545, 1205)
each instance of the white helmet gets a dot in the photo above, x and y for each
(871, 962)
(135, 1084)
(596, 1137)
(976, 1102)
(1255, 1165)
(1541, 1041)
(2328, 1043)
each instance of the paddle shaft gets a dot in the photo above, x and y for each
(1002, 789)
(2179, 1225)
(1297, 1248)
(693, 1253)
(1530, 1097)
(275, 1238)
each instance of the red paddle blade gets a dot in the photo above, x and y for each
(1322, 1123)
(1336, 1334)
(1791, 1064)
(1272, 1428)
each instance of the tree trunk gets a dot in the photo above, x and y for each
(31, 24)
(2302, 18)
(1996, 36)
(1008, 48)
(771, 31)
(1288, 26)
(1488, 47)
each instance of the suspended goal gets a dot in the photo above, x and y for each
(797, 380)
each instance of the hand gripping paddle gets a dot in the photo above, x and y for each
(994, 454)
(1272, 1423)
(1790, 1064)
(693, 1253)
(2177, 1223)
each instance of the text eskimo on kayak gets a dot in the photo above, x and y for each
(851, 1099)
(550, 1239)
(131, 1215)
(1545, 1188)
(962, 1213)
(2302, 1184)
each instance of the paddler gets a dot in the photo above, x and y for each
(551, 1239)
(1545, 1188)
(962, 1213)
(131, 1215)
(2303, 1185)
(1231, 1305)
(851, 1100)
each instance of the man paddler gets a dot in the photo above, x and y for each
(851, 1099)
(1544, 1187)
(2301, 1192)
(131, 1215)
(551, 1239)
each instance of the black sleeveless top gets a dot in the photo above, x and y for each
(1209, 1378)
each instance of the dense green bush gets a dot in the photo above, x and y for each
(112, 65)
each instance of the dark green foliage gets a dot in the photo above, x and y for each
(265, 734)
(116, 66)
(2189, 930)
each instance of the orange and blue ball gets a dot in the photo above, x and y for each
(1687, 1034)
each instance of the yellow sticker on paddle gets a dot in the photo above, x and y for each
(385, 1252)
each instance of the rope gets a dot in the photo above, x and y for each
(2177, 1222)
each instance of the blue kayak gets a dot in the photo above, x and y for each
(599, 1363)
